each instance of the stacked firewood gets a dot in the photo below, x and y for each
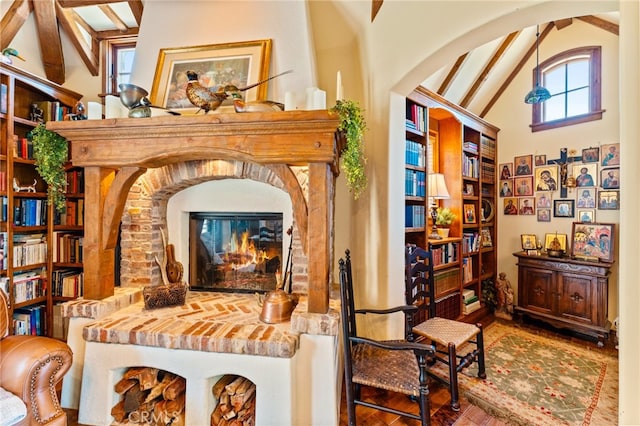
(236, 398)
(151, 397)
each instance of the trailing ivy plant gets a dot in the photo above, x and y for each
(51, 151)
(353, 124)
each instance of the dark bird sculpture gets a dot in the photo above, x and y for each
(209, 100)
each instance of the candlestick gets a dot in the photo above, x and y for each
(339, 86)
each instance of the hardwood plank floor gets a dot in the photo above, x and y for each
(441, 412)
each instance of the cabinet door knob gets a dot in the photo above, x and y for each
(576, 297)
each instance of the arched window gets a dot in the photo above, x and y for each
(573, 79)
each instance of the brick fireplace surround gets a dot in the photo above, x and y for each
(132, 168)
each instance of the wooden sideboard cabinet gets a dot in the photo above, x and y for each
(565, 293)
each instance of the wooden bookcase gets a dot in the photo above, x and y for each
(27, 222)
(463, 147)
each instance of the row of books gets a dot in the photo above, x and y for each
(445, 253)
(75, 181)
(471, 242)
(23, 148)
(414, 153)
(30, 321)
(415, 183)
(67, 282)
(414, 216)
(470, 301)
(60, 326)
(470, 146)
(488, 172)
(67, 248)
(27, 286)
(416, 118)
(3, 180)
(470, 166)
(488, 147)
(467, 270)
(72, 215)
(49, 111)
(29, 253)
(30, 212)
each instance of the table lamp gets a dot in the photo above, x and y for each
(437, 190)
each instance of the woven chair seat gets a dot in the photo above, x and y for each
(393, 370)
(444, 331)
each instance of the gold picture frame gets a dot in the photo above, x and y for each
(240, 64)
(562, 239)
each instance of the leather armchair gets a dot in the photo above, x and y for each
(30, 368)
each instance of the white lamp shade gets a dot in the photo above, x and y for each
(437, 187)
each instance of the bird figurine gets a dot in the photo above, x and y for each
(209, 100)
(7, 53)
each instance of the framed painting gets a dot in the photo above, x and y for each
(506, 171)
(240, 64)
(610, 178)
(543, 200)
(523, 165)
(511, 206)
(609, 200)
(610, 155)
(592, 241)
(526, 206)
(506, 188)
(546, 178)
(584, 174)
(524, 186)
(528, 241)
(591, 155)
(469, 213)
(563, 208)
(587, 215)
(544, 215)
(562, 239)
(540, 160)
(586, 198)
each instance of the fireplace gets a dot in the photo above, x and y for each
(235, 252)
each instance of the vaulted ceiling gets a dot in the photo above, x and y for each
(85, 22)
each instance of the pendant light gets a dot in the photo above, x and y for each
(538, 93)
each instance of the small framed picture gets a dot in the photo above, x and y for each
(468, 189)
(609, 200)
(511, 206)
(469, 213)
(586, 215)
(523, 165)
(591, 155)
(586, 198)
(526, 206)
(544, 215)
(562, 239)
(506, 188)
(563, 208)
(486, 238)
(543, 200)
(610, 178)
(547, 178)
(592, 241)
(610, 155)
(524, 186)
(584, 174)
(506, 170)
(528, 241)
(540, 160)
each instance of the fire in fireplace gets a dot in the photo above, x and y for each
(234, 252)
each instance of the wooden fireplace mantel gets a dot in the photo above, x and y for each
(115, 152)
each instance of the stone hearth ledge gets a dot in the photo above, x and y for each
(209, 322)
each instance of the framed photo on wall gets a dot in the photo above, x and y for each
(586, 198)
(506, 188)
(526, 206)
(506, 171)
(540, 160)
(524, 186)
(586, 215)
(610, 178)
(591, 155)
(546, 178)
(584, 174)
(563, 208)
(523, 165)
(543, 200)
(544, 215)
(610, 155)
(592, 241)
(609, 200)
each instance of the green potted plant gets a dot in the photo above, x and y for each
(51, 152)
(444, 219)
(353, 125)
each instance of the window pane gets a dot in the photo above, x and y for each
(554, 80)
(553, 109)
(578, 74)
(125, 60)
(578, 102)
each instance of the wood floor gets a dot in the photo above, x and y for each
(441, 412)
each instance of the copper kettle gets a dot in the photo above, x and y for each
(277, 305)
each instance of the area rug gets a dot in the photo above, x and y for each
(538, 380)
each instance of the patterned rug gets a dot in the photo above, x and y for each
(537, 380)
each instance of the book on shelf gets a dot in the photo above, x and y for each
(60, 326)
(28, 285)
(3, 98)
(471, 307)
(467, 269)
(467, 294)
(31, 319)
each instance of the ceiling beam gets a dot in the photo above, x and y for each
(113, 17)
(137, 8)
(81, 3)
(487, 69)
(451, 75)
(601, 23)
(12, 21)
(563, 23)
(50, 43)
(375, 8)
(516, 70)
(109, 34)
(90, 54)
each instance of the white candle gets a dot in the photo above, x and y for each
(339, 87)
(320, 99)
(94, 111)
(289, 101)
(309, 99)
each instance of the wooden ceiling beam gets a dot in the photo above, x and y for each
(82, 3)
(499, 53)
(375, 8)
(90, 54)
(516, 70)
(137, 8)
(451, 75)
(563, 23)
(113, 17)
(13, 20)
(601, 23)
(50, 43)
(110, 34)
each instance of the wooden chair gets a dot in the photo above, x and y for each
(397, 366)
(445, 334)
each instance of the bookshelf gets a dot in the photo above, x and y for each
(463, 148)
(27, 226)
